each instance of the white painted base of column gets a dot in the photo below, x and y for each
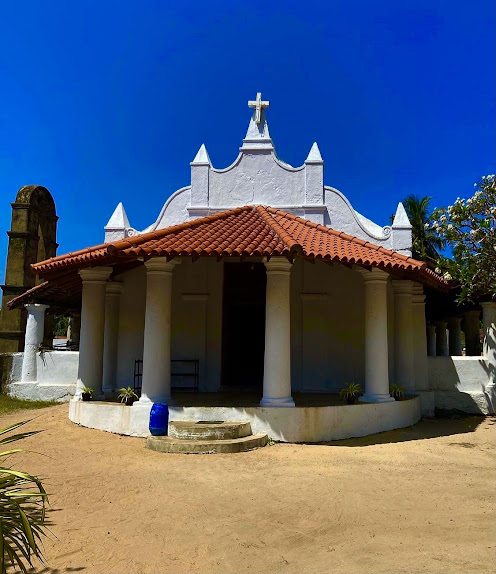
(490, 393)
(146, 402)
(277, 402)
(375, 398)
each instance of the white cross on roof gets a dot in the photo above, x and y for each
(258, 104)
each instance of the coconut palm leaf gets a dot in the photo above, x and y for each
(426, 243)
(23, 503)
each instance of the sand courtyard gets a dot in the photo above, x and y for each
(419, 499)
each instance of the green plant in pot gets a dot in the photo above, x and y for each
(396, 391)
(350, 392)
(127, 395)
(87, 393)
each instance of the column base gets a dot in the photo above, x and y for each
(371, 398)
(147, 402)
(277, 402)
(490, 393)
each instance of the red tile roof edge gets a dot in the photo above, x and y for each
(106, 251)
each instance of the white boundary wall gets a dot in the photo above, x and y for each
(56, 374)
(460, 383)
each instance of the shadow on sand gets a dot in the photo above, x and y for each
(445, 424)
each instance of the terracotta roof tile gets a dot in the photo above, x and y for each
(244, 231)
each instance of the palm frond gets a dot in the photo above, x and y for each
(23, 501)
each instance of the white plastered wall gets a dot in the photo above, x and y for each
(327, 323)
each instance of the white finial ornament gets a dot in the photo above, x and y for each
(258, 104)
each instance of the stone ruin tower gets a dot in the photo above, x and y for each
(32, 238)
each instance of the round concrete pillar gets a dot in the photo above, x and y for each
(74, 329)
(455, 336)
(431, 340)
(35, 325)
(441, 339)
(156, 381)
(277, 358)
(471, 322)
(92, 329)
(111, 333)
(403, 334)
(376, 338)
(489, 347)
(420, 367)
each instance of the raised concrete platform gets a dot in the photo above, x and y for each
(298, 424)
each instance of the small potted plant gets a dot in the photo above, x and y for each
(350, 392)
(87, 393)
(396, 391)
(127, 396)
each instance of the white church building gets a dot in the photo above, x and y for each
(257, 294)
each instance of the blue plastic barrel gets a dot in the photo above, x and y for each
(159, 419)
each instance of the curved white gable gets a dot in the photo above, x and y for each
(258, 176)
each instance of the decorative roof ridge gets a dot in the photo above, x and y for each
(286, 238)
(121, 244)
(346, 236)
(130, 242)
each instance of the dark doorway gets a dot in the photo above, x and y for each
(243, 326)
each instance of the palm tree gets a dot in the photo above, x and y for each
(426, 243)
(22, 510)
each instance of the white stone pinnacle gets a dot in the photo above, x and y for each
(401, 218)
(119, 219)
(201, 157)
(258, 131)
(314, 155)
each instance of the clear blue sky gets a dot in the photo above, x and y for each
(109, 101)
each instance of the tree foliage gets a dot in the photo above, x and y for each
(426, 241)
(469, 227)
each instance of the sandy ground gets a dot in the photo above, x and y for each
(415, 500)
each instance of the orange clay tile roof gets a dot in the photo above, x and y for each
(245, 231)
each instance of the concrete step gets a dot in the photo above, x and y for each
(209, 430)
(177, 445)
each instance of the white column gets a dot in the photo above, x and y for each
(376, 337)
(156, 382)
(403, 334)
(431, 340)
(277, 358)
(111, 333)
(471, 320)
(92, 326)
(455, 336)
(34, 336)
(441, 339)
(74, 329)
(420, 367)
(489, 347)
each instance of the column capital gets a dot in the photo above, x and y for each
(113, 288)
(489, 305)
(160, 265)
(33, 307)
(402, 287)
(373, 276)
(95, 274)
(278, 265)
(441, 324)
(454, 321)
